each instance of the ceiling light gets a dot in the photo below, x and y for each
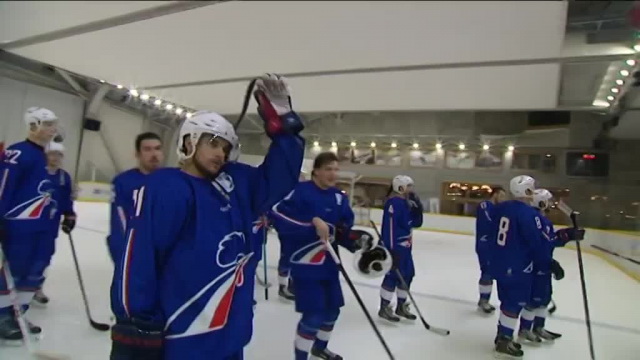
(461, 146)
(631, 62)
(615, 90)
(438, 146)
(416, 145)
(189, 115)
(485, 147)
(624, 72)
(394, 145)
(334, 144)
(158, 102)
(169, 107)
(119, 86)
(179, 111)
(144, 96)
(511, 148)
(373, 144)
(316, 143)
(619, 82)
(134, 92)
(353, 144)
(102, 81)
(610, 98)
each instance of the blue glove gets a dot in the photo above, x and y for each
(274, 106)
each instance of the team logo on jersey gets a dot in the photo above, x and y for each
(484, 238)
(225, 181)
(227, 254)
(215, 313)
(34, 208)
(314, 253)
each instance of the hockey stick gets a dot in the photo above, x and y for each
(615, 254)
(264, 261)
(17, 309)
(335, 257)
(263, 283)
(245, 103)
(439, 331)
(553, 307)
(573, 215)
(96, 325)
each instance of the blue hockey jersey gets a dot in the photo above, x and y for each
(124, 188)
(62, 203)
(397, 223)
(516, 241)
(188, 258)
(293, 218)
(549, 241)
(484, 219)
(25, 190)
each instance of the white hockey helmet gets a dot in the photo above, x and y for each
(373, 263)
(541, 198)
(207, 122)
(55, 146)
(37, 115)
(522, 186)
(400, 183)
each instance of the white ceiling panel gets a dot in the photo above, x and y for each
(22, 19)
(510, 87)
(239, 39)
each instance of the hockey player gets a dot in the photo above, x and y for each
(535, 312)
(185, 287)
(148, 152)
(483, 231)
(285, 285)
(62, 205)
(402, 213)
(315, 215)
(514, 248)
(25, 197)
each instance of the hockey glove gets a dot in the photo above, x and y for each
(354, 239)
(569, 234)
(68, 223)
(414, 202)
(374, 262)
(557, 270)
(274, 106)
(137, 340)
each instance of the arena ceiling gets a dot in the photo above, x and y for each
(340, 56)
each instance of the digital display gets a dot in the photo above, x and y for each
(587, 164)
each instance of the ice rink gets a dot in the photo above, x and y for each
(445, 288)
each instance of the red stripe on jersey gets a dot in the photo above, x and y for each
(221, 315)
(318, 257)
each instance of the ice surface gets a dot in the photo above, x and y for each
(445, 288)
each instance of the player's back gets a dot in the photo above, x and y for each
(396, 224)
(25, 190)
(512, 232)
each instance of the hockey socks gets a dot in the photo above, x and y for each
(541, 317)
(526, 320)
(386, 296)
(305, 337)
(323, 336)
(485, 289)
(507, 323)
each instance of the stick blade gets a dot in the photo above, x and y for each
(440, 331)
(99, 326)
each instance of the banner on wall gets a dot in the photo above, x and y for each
(363, 156)
(460, 159)
(392, 157)
(419, 158)
(489, 160)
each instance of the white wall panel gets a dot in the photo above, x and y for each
(112, 149)
(211, 43)
(16, 97)
(21, 19)
(488, 88)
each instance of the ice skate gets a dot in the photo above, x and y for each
(285, 294)
(387, 314)
(10, 331)
(485, 307)
(506, 348)
(40, 299)
(403, 311)
(325, 354)
(546, 335)
(528, 337)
